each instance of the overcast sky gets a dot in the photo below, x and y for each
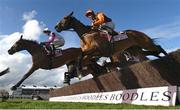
(157, 18)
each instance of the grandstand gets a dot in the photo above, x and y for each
(33, 92)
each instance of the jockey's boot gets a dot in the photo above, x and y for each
(50, 51)
(53, 50)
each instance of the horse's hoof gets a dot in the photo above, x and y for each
(13, 88)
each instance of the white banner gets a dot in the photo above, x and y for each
(164, 96)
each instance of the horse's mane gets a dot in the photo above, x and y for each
(87, 26)
(77, 20)
(31, 41)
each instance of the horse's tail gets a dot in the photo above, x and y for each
(145, 36)
(155, 40)
(142, 35)
(4, 72)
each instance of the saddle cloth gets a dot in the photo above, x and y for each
(120, 36)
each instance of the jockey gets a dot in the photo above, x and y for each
(55, 41)
(101, 21)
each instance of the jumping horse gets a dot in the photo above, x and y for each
(40, 58)
(92, 44)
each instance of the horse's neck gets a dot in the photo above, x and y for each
(80, 28)
(33, 48)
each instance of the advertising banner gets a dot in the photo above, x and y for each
(164, 96)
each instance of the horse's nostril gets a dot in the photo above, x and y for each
(10, 52)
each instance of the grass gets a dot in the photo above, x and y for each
(31, 104)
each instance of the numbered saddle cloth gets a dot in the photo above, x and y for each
(120, 36)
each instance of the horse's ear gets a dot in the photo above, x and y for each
(21, 37)
(71, 13)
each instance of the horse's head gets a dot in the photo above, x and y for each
(65, 24)
(16, 47)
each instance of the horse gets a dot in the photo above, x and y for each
(4, 72)
(92, 44)
(40, 58)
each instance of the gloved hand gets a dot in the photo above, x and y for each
(94, 26)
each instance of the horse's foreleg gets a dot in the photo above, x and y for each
(79, 65)
(70, 74)
(23, 78)
(4, 71)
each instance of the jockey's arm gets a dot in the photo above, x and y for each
(100, 20)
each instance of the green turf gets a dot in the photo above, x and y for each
(31, 104)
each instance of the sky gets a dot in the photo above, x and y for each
(157, 18)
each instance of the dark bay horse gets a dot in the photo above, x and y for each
(94, 45)
(40, 59)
